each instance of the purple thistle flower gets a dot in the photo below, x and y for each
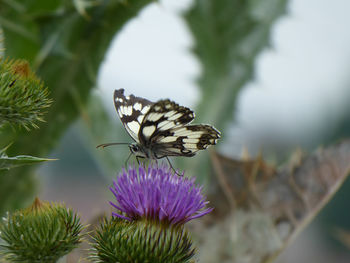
(157, 194)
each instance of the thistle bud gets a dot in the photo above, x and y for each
(23, 97)
(44, 232)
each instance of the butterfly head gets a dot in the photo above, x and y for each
(137, 150)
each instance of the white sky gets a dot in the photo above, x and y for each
(151, 58)
(300, 87)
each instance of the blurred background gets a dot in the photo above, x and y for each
(298, 97)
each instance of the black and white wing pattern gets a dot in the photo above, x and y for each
(165, 130)
(131, 111)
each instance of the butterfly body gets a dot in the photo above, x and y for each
(163, 128)
(140, 151)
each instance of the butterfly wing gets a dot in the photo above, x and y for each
(131, 111)
(162, 116)
(166, 132)
(185, 140)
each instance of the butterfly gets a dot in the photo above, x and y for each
(161, 129)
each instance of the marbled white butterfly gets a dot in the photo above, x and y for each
(161, 129)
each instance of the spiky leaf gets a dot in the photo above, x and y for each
(7, 163)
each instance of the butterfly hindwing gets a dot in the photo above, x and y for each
(131, 111)
(166, 131)
(186, 140)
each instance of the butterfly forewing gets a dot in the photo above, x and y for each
(131, 111)
(163, 116)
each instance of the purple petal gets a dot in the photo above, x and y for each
(157, 193)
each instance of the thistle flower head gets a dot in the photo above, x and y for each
(156, 193)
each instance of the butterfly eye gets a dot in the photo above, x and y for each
(134, 148)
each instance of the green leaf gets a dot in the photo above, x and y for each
(10, 186)
(66, 50)
(228, 36)
(7, 163)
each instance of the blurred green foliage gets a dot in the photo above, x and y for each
(97, 127)
(228, 36)
(66, 50)
(65, 43)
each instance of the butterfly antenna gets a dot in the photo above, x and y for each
(109, 144)
(171, 166)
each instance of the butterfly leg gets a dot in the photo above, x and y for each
(126, 162)
(138, 159)
(173, 167)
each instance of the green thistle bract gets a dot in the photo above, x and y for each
(43, 232)
(23, 97)
(119, 240)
